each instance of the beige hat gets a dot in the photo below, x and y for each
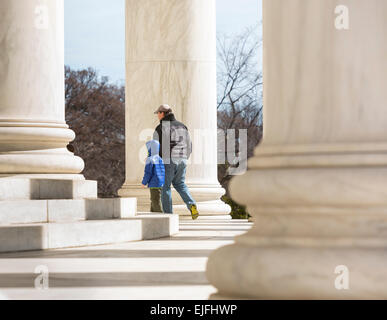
(163, 108)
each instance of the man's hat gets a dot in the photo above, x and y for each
(163, 108)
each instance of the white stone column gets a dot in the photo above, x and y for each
(33, 132)
(317, 185)
(171, 58)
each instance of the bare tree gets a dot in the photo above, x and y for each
(239, 90)
(95, 110)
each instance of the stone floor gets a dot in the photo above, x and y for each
(168, 268)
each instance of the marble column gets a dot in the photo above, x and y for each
(171, 58)
(33, 132)
(317, 185)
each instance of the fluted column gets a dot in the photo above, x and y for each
(171, 58)
(33, 132)
(317, 185)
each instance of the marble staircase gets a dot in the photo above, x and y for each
(46, 214)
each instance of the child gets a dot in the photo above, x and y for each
(154, 175)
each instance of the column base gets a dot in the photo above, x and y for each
(245, 272)
(44, 162)
(206, 197)
(309, 221)
(36, 147)
(206, 218)
(208, 210)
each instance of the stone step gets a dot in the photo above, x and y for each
(26, 237)
(36, 189)
(75, 234)
(154, 225)
(63, 210)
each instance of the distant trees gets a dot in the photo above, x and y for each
(95, 110)
(239, 91)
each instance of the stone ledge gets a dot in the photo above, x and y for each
(64, 210)
(61, 235)
(158, 225)
(27, 237)
(39, 189)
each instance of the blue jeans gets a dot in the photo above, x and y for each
(175, 175)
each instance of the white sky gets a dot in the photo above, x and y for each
(95, 31)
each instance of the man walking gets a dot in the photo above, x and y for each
(175, 149)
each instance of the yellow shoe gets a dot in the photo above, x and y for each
(194, 212)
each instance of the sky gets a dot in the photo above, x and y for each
(95, 31)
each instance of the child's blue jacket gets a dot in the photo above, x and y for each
(154, 175)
